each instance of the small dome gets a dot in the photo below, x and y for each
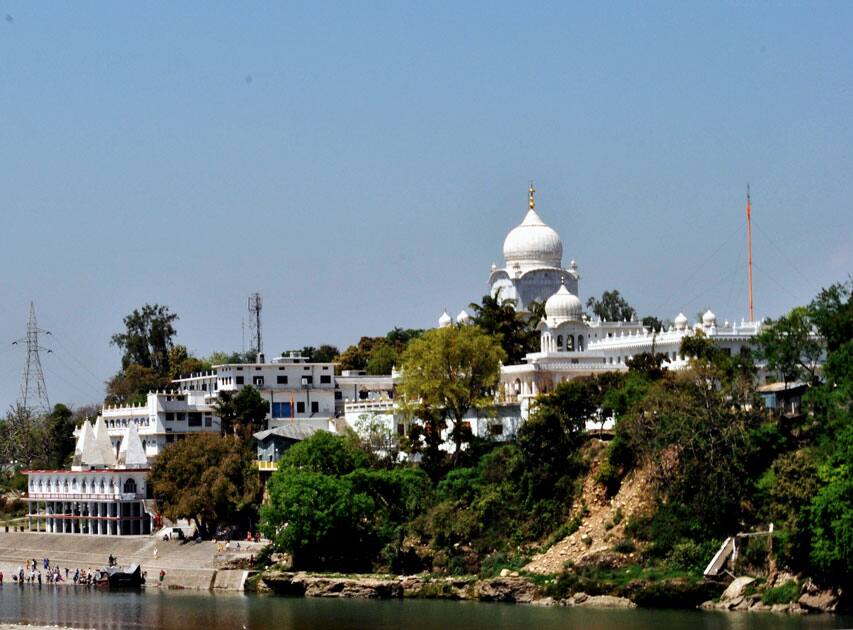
(533, 242)
(709, 319)
(463, 317)
(680, 321)
(445, 320)
(564, 305)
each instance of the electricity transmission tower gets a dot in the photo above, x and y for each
(255, 305)
(33, 388)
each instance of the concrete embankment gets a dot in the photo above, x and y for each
(187, 565)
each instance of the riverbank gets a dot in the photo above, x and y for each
(187, 565)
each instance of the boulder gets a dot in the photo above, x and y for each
(506, 589)
(605, 601)
(823, 601)
(736, 588)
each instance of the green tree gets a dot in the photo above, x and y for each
(832, 312)
(61, 423)
(207, 479)
(322, 354)
(356, 357)
(318, 519)
(832, 511)
(790, 347)
(132, 385)
(182, 362)
(498, 318)
(223, 358)
(325, 453)
(23, 439)
(400, 337)
(148, 338)
(242, 413)
(551, 437)
(383, 357)
(612, 307)
(453, 370)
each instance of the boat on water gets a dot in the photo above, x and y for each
(120, 577)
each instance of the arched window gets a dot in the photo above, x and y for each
(130, 486)
(517, 386)
(559, 342)
(102, 486)
(580, 343)
(570, 343)
(83, 487)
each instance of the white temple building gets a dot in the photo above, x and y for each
(573, 345)
(104, 493)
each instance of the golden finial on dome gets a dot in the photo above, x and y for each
(531, 199)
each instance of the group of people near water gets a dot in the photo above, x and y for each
(31, 574)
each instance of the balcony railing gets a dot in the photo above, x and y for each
(266, 466)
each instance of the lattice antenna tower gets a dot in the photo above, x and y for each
(33, 388)
(256, 303)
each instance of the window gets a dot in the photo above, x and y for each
(130, 487)
(496, 429)
(339, 395)
(170, 416)
(307, 380)
(281, 410)
(239, 380)
(281, 379)
(559, 342)
(326, 379)
(194, 418)
(401, 430)
(257, 380)
(180, 416)
(208, 420)
(300, 407)
(315, 406)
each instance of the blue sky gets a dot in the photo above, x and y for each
(359, 164)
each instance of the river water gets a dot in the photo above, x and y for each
(87, 608)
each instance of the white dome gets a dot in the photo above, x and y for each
(445, 320)
(564, 305)
(463, 317)
(709, 319)
(533, 242)
(680, 321)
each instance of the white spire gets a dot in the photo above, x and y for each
(103, 444)
(130, 453)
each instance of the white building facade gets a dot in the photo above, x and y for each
(105, 493)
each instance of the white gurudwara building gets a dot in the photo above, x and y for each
(572, 344)
(104, 493)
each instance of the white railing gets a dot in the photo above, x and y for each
(370, 405)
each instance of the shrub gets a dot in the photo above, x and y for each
(498, 560)
(626, 545)
(784, 594)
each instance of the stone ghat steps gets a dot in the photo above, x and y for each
(187, 564)
(82, 550)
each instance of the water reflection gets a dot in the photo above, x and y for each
(185, 610)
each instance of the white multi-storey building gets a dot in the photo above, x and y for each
(298, 393)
